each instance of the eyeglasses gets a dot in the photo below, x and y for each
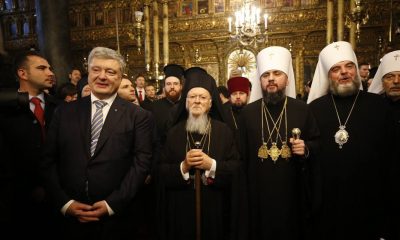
(200, 97)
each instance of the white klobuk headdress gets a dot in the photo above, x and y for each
(390, 63)
(277, 58)
(329, 56)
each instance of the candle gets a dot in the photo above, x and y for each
(230, 24)
(266, 21)
(237, 19)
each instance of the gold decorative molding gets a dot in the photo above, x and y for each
(290, 22)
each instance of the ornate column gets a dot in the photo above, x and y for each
(147, 46)
(352, 27)
(300, 70)
(156, 39)
(329, 21)
(116, 25)
(165, 33)
(53, 36)
(340, 22)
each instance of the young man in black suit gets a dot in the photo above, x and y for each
(98, 155)
(23, 126)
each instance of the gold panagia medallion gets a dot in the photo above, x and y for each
(263, 151)
(274, 152)
(341, 136)
(285, 151)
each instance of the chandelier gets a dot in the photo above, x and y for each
(358, 16)
(138, 28)
(248, 29)
(156, 76)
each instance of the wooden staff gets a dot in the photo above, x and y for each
(197, 187)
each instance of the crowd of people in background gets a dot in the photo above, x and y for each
(104, 156)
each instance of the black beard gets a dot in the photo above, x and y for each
(275, 97)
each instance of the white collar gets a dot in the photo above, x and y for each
(109, 100)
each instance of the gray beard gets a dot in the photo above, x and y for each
(393, 94)
(346, 90)
(275, 97)
(197, 124)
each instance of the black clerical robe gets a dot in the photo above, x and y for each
(354, 188)
(394, 195)
(220, 204)
(279, 192)
(162, 111)
(233, 116)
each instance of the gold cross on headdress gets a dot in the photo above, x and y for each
(396, 56)
(271, 55)
(337, 47)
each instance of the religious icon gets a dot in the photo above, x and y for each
(263, 151)
(187, 8)
(219, 6)
(274, 152)
(285, 151)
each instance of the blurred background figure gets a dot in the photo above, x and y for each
(223, 94)
(150, 97)
(67, 92)
(75, 76)
(126, 90)
(363, 69)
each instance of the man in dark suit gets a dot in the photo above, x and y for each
(139, 89)
(98, 155)
(25, 115)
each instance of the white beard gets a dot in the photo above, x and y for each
(345, 90)
(197, 124)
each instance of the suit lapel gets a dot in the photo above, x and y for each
(114, 115)
(84, 112)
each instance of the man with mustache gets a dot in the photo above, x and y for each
(200, 140)
(239, 95)
(354, 149)
(172, 87)
(279, 165)
(387, 83)
(387, 78)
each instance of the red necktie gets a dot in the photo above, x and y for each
(140, 95)
(38, 112)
